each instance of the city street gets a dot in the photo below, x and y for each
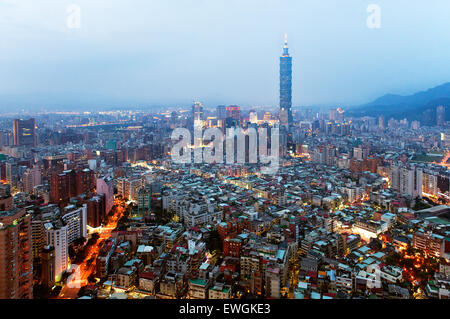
(82, 272)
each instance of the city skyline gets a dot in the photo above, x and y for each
(171, 151)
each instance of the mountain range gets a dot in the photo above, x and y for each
(420, 106)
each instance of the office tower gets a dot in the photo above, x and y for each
(16, 269)
(197, 113)
(221, 112)
(24, 132)
(440, 115)
(286, 87)
(234, 112)
(47, 257)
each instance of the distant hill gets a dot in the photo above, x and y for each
(419, 106)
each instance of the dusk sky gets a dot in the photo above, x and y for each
(222, 51)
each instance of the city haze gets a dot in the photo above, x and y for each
(220, 52)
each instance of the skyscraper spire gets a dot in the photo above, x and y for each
(285, 48)
(286, 86)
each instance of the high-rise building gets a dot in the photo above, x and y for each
(12, 173)
(221, 112)
(429, 183)
(129, 187)
(16, 269)
(71, 183)
(31, 178)
(48, 266)
(407, 180)
(85, 181)
(62, 187)
(234, 112)
(96, 210)
(24, 132)
(286, 87)
(105, 185)
(56, 234)
(75, 218)
(197, 113)
(144, 200)
(443, 183)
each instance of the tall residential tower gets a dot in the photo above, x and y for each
(16, 257)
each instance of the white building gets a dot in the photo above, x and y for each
(56, 235)
(75, 219)
(407, 180)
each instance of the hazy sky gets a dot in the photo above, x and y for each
(222, 51)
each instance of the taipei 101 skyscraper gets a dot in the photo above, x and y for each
(286, 88)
